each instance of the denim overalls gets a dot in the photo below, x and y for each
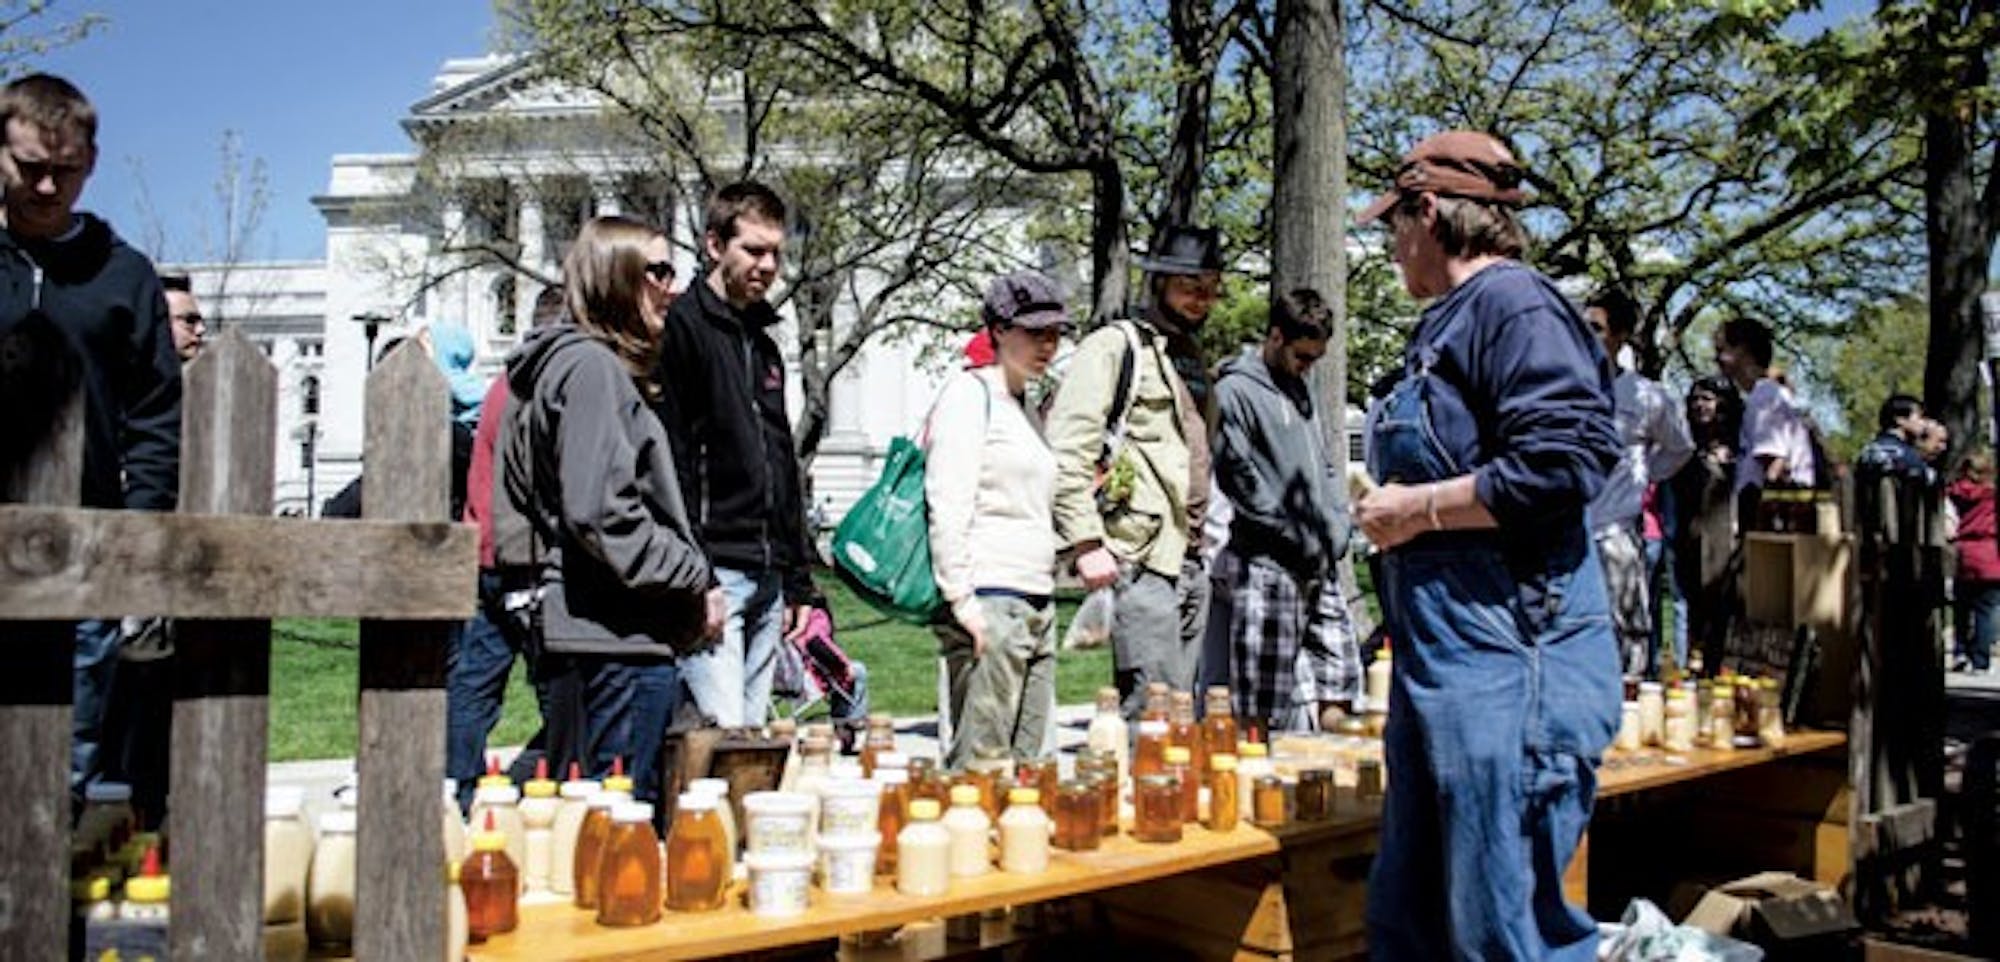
(1505, 694)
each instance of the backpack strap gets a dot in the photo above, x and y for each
(1118, 416)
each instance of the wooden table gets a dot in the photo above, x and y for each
(1251, 893)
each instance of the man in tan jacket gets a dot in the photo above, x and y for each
(1129, 430)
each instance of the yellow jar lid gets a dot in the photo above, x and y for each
(924, 810)
(1025, 796)
(1178, 755)
(1222, 763)
(965, 794)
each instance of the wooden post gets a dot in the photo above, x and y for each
(41, 462)
(399, 901)
(222, 669)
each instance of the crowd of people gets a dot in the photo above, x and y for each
(1534, 512)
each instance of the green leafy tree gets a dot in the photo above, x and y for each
(1881, 354)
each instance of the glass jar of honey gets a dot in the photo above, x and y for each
(988, 785)
(893, 814)
(1315, 794)
(881, 739)
(1077, 820)
(927, 782)
(1159, 702)
(697, 863)
(1218, 723)
(1267, 800)
(1149, 751)
(1158, 802)
(1747, 690)
(1183, 730)
(1044, 776)
(1222, 814)
(1190, 783)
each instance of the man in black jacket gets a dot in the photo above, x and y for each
(71, 270)
(723, 405)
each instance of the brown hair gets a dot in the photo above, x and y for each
(745, 198)
(52, 104)
(1472, 228)
(604, 280)
(1977, 467)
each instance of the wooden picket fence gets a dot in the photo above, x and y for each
(223, 566)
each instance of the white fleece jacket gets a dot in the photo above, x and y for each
(989, 482)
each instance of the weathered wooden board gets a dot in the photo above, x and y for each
(41, 462)
(222, 669)
(400, 901)
(69, 563)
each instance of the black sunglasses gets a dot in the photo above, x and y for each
(661, 270)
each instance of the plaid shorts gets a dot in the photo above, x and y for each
(1291, 645)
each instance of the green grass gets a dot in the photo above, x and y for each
(315, 667)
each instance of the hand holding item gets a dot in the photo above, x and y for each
(1395, 513)
(1098, 568)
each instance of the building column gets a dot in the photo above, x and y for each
(450, 291)
(604, 197)
(529, 231)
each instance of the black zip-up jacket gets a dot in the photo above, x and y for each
(106, 298)
(723, 405)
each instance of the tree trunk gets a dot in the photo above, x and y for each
(1192, 24)
(1308, 200)
(1958, 230)
(1110, 249)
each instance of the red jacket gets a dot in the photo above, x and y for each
(479, 477)
(1978, 554)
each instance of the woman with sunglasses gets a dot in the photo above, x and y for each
(989, 483)
(622, 583)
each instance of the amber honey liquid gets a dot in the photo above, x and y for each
(1158, 802)
(590, 841)
(697, 867)
(629, 881)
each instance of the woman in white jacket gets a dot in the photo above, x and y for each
(989, 482)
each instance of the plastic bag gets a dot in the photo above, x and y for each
(1645, 934)
(1091, 628)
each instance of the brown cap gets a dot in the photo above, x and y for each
(1456, 163)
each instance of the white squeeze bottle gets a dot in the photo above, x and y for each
(970, 829)
(1108, 732)
(454, 823)
(574, 796)
(539, 806)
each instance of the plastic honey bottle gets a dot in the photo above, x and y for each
(923, 861)
(628, 884)
(590, 839)
(697, 866)
(969, 827)
(1024, 834)
(491, 883)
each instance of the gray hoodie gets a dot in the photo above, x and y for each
(1271, 463)
(586, 461)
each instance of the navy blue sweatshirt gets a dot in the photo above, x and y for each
(1524, 397)
(106, 298)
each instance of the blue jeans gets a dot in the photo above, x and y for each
(626, 706)
(1505, 694)
(96, 665)
(1978, 611)
(731, 682)
(481, 656)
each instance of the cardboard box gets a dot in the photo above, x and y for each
(1788, 916)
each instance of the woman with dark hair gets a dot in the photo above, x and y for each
(1976, 603)
(622, 583)
(1505, 690)
(1704, 536)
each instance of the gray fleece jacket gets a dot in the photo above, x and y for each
(1271, 462)
(586, 461)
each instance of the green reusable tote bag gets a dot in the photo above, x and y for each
(882, 548)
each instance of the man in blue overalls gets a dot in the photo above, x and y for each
(1506, 687)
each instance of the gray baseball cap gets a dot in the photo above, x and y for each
(1024, 299)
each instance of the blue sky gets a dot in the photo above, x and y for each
(299, 80)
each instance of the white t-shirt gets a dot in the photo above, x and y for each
(1654, 433)
(1773, 426)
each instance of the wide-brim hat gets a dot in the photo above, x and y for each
(1186, 251)
(1456, 163)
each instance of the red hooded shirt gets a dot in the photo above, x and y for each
(1978, 554)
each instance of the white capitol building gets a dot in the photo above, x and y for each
(399, 256)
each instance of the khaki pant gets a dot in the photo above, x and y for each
(1006, 697)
